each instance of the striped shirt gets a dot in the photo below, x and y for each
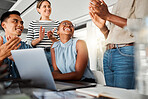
(34, 28)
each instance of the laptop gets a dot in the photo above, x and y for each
(32, 64)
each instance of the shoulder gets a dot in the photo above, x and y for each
(4, 39)
(56, 21)
(33, 21)
(81, 42)
(55, 44)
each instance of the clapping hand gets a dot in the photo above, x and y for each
(41, 33)
(50, 34)
(99, 22)
(100, 8)
(11, 44)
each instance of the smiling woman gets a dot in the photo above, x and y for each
(36, 36)
(72, 63)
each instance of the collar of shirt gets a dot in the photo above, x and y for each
(4, 40)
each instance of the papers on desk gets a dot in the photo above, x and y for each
(60, 95)
(112, 92)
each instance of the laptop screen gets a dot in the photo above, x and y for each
(32, 64)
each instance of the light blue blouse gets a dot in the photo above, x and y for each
(66, 56)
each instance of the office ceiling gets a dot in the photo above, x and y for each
(5, 5)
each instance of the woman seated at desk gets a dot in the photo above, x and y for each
(69, 56)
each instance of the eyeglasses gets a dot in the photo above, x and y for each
(68, 24)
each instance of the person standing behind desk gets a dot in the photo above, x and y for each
(119, 56)
(38, 37)
(70, 57)
(12, 24)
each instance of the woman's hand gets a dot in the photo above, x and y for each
(100, 8)
(51, 36)
(41, 33)
(100, 23)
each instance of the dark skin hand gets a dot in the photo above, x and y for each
(100, 8)
(100, 23)
(51, 36)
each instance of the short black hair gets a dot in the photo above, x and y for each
(7, 14)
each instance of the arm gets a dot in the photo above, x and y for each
(117, 20)
(5, 49)
(140, 12)
(41, 36)
(53, 59)
(100, 23)
(81, 63)
(30, 34)
(100, 8)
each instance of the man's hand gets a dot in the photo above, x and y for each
(11, 44)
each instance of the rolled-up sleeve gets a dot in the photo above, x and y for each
(140, 12)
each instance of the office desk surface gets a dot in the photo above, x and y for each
(112, 92)
(47, 94)
(37, 93)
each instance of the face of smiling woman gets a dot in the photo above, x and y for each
(45, 9)
(66, 28)
(13, 25)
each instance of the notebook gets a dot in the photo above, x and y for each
(32, 64)
(106, 92)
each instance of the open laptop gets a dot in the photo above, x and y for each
(32, 64)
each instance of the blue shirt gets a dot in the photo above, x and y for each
(66, 56)
(12, 67)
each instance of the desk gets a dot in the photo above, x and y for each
(115, 93)
(37, 93)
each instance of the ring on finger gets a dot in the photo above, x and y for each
(101, 3)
